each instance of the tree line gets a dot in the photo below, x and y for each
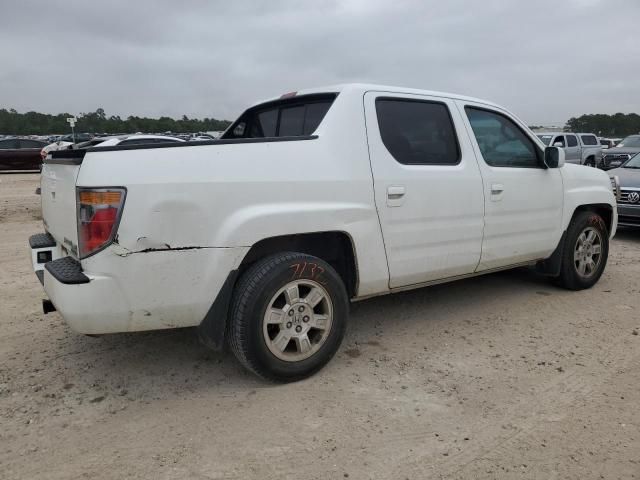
(34, 123)
(618, 125)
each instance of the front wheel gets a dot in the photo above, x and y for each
(585, 252)
(590, 162)
(288, 316)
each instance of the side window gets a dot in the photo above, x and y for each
(9, 144)
(502, 143)
(572, 141)
(417, 132)
(30, 144)
(559, 141)
(589, 139)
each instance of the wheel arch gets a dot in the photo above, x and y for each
(335, 247)
(551, 266)
(603, 209)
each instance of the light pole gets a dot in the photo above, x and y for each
(72, 122)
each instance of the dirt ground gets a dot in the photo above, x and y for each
(503, 376)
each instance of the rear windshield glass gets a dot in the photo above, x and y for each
(292, 117)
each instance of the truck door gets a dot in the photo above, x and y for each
(523, 198)
(573, 150)
(428, 189)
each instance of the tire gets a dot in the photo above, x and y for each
(586, 230)
(590, 162)
(307, 306)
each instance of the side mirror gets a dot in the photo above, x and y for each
(553, 157)
(558, 144)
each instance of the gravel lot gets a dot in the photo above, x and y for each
(503, 376)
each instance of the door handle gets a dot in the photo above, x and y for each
(395, 191)
(395, 195)
(497, 189)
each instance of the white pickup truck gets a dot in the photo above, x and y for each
(307, 202)
(579, 148)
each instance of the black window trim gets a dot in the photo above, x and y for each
(536, 146)
(422, 100)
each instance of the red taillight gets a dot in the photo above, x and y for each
(99, 211)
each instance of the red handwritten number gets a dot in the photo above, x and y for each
(315, 272)
(297, 267)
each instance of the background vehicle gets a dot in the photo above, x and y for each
(607, 143)
(579, 148)
(138, 140)
(628, 178)
(77, 138)
(307, 202)
(623, 151)
(52, 147)
(20, 154)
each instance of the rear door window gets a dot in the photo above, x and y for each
(589, 139)
(291, 117)
(417, 132)
(572, 141)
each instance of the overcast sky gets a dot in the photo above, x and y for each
(545, 60)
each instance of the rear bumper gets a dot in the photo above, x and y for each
(111, 293)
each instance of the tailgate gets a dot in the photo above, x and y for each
(58, 190)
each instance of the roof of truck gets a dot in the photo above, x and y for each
(365, 87)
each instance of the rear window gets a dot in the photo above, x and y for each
(589, 139)
(291, 117)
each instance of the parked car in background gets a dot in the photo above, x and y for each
(20, 154)
(579, 148)
(626, 178)
(307, 202)
(607, 143)
(623, 151)
(77, 138)
(52, 147)
(137, 139)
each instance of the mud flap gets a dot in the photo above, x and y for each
(211, 330)
(551, 266)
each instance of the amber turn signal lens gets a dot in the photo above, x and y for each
(100, 198)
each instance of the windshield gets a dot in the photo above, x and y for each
(633, 162)
(546, 139)
(631, 141)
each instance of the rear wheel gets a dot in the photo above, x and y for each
(585, 251)
(288, 316)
